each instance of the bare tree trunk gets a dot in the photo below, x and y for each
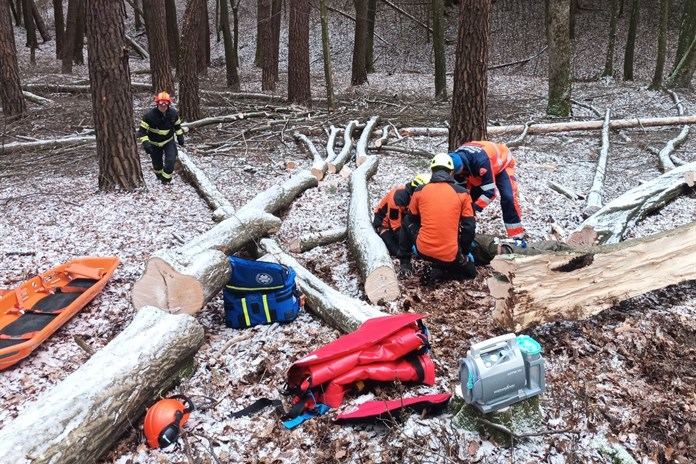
(470, 95)
(173, 41)
(11, 97)
(79, 40)
(687, 31)
(70, 34)
(326, 53)
(439, 50)
(268, 81)
(558, 37)
(609, 62)
(32, 43)
(160, 66)
(40, 25)
(298, 54)
(190, 103)
(594, 198)
(59, 23)
(359, 72)
(370, 37)
(661, 46)
(112, 103)
(203, 57)
(232, 77)
(631, 41)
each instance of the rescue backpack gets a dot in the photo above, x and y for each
(260, 293)
(382, 349)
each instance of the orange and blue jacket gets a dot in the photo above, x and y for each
(391, 208)
(446, 214)
(482, 161)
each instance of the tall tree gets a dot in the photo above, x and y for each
(11, 96)
(112, 102)
(156, 27)
(261, 16)
(172, 32)
(59, 22)
(137, 18)
(661, 46)
(470, 94)
(684, 72)
(276, 7)
(268, 80)
(190, 103)
(70, 33)
(79, 39)
(687, 30)
(609, 62)
(438, 9)
(204, 37)
(298, 54)
(326, 53)
(359, 72)
(558, 38)
(370, 36)
(631, 41)
(230, 53)
(32, 43)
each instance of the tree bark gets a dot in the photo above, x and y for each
(339, 311)
(231, 73)
(470, 94)
(59, 24)
(656, 83)
(112, 102)
(70, 35)
(558, 37)
(173, 41)
(687, 31)
(368, 250)
(326, 54)
(611, 222)
(358, 69)
(83, 416)
(268, 80)
(629, 52)
(298, 54)
(578, 284)
(11, 97)
(189, 98)
(40, 24)
(594, 198)
(609, 62)
(160, 66)
(184, 279)
(317, 239)
(342, 157)
(30, 27)
(361, 147)
(319, 165)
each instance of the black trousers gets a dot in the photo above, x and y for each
(164, 158)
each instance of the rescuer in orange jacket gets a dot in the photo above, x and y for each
(484, 166)
(389, 211)
(441, 223)
(157, 131)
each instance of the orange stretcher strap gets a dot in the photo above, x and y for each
(80, 270)
(24, 336)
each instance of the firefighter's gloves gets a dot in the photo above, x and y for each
(477, 208)
(180, 140)
(405, 268)
(470, 258)
(147, 146)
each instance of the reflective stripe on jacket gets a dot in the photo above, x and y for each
(391, 209)
(482, 161)
(159, 128)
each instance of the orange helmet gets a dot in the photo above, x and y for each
(163, 97)
(164, 420)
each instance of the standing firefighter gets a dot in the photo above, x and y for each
(157, 130)
(441, 223)
(485, 166)
(389, 212)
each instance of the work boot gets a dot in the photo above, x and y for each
(433, 275)
(405, 268)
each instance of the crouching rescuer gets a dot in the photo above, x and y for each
(441, 223)
(157, 131)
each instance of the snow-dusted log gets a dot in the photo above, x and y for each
(611, 221)
(15, 147)
(564, 190)
(86, 414)
(557, 127)
(594, 198)
(319, 165)
(666, 163)
(361, 146)
(138, 49)
(184, 279)
(221, 207)
(36, 99)
(223, 119)
(343, 156)
(76, 88)
(331, 143)
(580, 283)
(338, 310)
(369, 251)
(315, 239)
(384, 139)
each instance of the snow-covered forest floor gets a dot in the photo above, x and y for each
(624, 377)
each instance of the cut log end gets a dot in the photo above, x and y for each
(163, 287)
(382, 285)
(295, 245)
(690, 178)
(332, 168)
(360, 160)
(584, 238)
(318, 173)
(346, 172)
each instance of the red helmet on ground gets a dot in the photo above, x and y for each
(163, 97)
(164, 420)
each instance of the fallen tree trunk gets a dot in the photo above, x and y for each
(343, 156)
(77, 88)
(558, 127)
(369, 251)
(313, 240)
(87, 413)
(184, 279)
(15, 147)
(338, 310)
(223, 119)
(319, 165)
(664, 156)
(609, 224)
(222, 208)
(578, 284)
(361, 147)
(36, 99)
(594, 199)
